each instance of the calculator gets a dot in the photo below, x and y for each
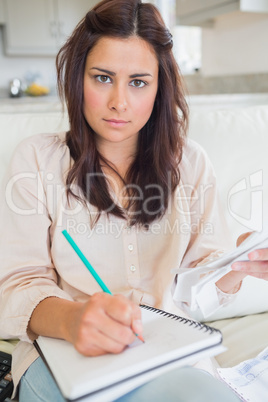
(6, 383)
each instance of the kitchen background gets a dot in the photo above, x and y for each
(220, 45)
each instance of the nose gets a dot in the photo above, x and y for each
(118, 99)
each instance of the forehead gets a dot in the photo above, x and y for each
(123, 54)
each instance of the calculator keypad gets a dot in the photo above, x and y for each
(6, 384)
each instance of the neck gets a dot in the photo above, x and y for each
(119, 156)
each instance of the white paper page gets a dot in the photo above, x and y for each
(213, 271)
(166, 339)
(118, 390)
(249, 379)
(254, 241)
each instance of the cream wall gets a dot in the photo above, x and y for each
(237, 44)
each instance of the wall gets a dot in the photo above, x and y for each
(234, 56)
(2, 19)
(237, 44)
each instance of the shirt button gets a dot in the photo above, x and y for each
(128, 229)
(130, 247)
(132, 268)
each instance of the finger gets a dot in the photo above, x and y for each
(260, 254)
(242, 238)
(137, 328)
(101, 319)
(129, 314)
(97, 344)
(120, 333)
(123, 310)
(258, 269)
(118, 307)
(231, 282)
(136, 324)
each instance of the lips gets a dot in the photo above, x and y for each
(116, 123)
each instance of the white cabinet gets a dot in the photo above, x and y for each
(70, 12)
(196, 12)
(30, 27)
(39, 27)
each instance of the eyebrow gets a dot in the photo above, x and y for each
(113, 73)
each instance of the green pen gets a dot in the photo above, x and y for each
(86, 262)
(89, 267)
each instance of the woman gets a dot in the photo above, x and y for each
(138, 198)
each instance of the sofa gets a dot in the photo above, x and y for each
(234, 133)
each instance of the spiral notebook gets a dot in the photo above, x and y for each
(170, 341)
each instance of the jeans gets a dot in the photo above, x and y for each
(184, 384)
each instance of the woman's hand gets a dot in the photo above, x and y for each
(257, 266)
(104, 324)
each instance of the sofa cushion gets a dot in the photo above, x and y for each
(8, 346)
(14, 127)
(244, 337)
(236, 141)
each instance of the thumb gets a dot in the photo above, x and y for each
(242, 238)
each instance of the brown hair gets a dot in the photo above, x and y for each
(160, 141)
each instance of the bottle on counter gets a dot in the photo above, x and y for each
(15, 89)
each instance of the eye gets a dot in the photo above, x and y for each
(138, 83)
(103, 79)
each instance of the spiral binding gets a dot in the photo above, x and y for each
(184, 320)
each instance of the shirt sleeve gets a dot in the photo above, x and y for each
(209, 236)
(27, 272)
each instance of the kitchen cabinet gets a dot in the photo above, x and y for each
(39, 27)
(30, 27)
(70, 12)
(196, 12)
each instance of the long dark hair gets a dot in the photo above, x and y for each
(160, 141)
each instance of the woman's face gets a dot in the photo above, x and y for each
(120, 86)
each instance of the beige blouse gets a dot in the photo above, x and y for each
(37, 262)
